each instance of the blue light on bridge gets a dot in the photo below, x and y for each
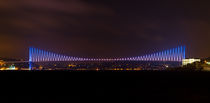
(174, 54)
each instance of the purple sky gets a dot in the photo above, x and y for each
(104, 28)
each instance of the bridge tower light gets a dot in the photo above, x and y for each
(175, 54)
(30, 58)
(171, 54)
(30, 54)
(184, 50)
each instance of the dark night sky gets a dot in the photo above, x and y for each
(104, 28)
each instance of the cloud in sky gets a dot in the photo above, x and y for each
(105, 28)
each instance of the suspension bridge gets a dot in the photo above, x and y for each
(170, 55)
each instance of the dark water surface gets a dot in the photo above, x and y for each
(105, 86)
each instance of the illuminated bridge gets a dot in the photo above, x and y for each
(171, 55)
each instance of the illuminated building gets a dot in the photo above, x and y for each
(189, 61)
